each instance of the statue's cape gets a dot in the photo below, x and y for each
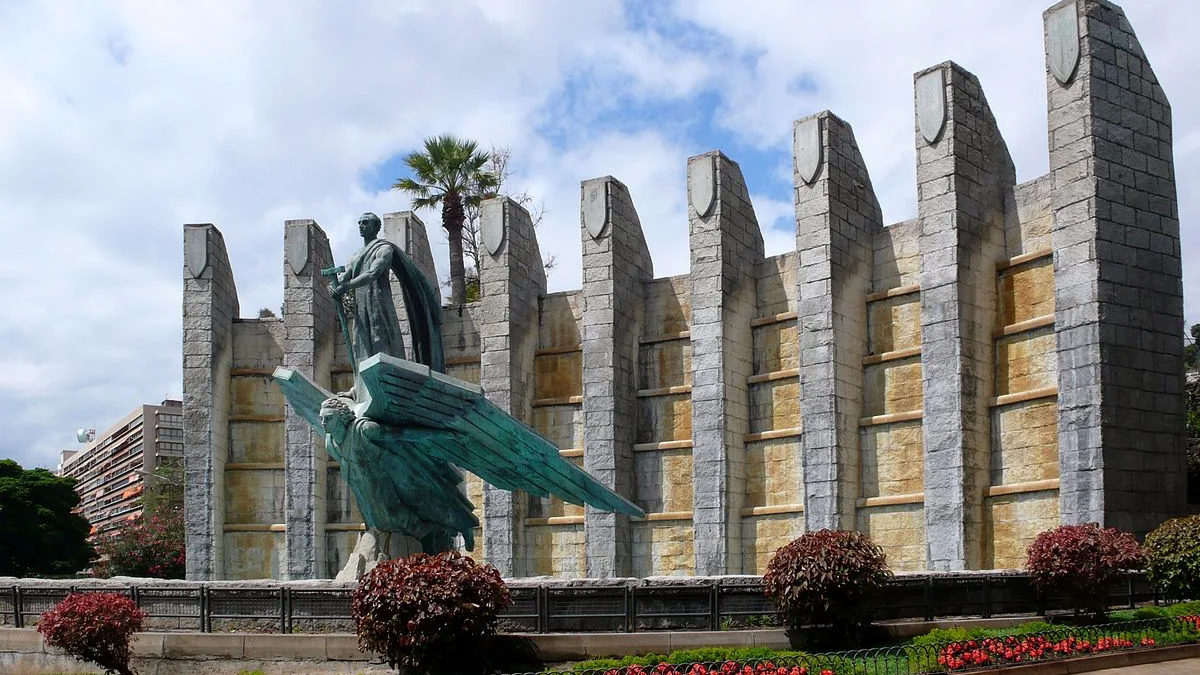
(421, 303)
(451, 420)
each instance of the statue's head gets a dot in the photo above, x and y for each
(336, 416)
(369, 225)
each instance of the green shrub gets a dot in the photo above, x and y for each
(1173, 558)
(94, 627)
(1080, 562)
(148, 547)
(829, 578)
(430, 614)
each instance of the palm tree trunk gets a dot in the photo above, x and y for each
(452, 220)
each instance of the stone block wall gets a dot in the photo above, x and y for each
(951, 385)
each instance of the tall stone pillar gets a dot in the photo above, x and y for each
(1117, 273)
(311, 330)
(513, 281)
(837, 218)
(405, 229)
(963, 174)
(726, 249)
(616, 267)
(210, 306)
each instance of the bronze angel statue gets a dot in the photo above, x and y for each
(404, 431)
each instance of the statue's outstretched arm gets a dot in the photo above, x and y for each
(377, 266)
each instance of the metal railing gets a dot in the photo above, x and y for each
(705, 604)
(946, 657)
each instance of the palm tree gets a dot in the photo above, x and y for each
(450, 172)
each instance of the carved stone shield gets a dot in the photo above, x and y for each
(195, 249)
(702, 184)
(931, 104)
(295, 249)
(595, 208)
(806, 147)
(491, 228)
(1062, 42)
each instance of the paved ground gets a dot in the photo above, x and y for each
(1183, 667)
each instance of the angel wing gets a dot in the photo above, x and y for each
(478, 436)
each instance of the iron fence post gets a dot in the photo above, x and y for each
(18, 610)
(987, 596)
(928, 597)
(205, 610)
(630, 608)
(1129, 588)
(541, 602)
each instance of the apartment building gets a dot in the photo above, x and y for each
(111, 470)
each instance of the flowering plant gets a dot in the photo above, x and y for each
(147, 547)
(94, 627)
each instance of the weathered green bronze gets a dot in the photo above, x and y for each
(401, 434)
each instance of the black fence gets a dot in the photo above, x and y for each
(963, 656)
(716, 603)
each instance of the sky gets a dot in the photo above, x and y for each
(121, 121)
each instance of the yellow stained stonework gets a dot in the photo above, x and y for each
(255, 395)
(762, 536)
(1026, 292)
(664, 418)
(778, 284)
(894, 323)
(1010, 524)
(559, 375)
(665, 364)
(467, 372)
(256, 442)
(252, 555)
(556, 550)
(893, 387)
(776, 347)
(774, 473)
(663, 548)
(900, 531)
(897, 256)
(668, 305)
(560, 316)
(893, 459)
(254, 497)
(562, 425)
(1027, 228)
(1026, 361)
(663, 480)
(775, 405)
(1025, 442)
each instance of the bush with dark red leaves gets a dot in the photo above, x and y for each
(95, 627)
(430, 614)
(1081, 562)
(831, 578)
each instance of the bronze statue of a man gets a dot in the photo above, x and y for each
(376, 328)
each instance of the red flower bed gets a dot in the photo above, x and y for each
(1001, 651)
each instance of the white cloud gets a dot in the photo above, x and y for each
(123, 120)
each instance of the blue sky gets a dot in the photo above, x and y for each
(123, 120)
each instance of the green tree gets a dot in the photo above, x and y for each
(451, 173)
(1191, 349)
(40, 532)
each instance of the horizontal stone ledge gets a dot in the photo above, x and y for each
(1022, 488)
(254, 466)
(890, 500)
(891, 418)
(250, 419)
(773, 318)
(1023, 326)
(774, 375)
(669, 515)
(462, 361)
(791, 432)
(570, 452)
(663, 445)
(247, 372)
(561, 400)
(254, 527)
(1023, 396)
(775, 510)
(894, 355)
(345, 527)
(893, 292)
(1024, 258)
(554, 520)
(664, 391)
(561, 349)
(665, 337)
